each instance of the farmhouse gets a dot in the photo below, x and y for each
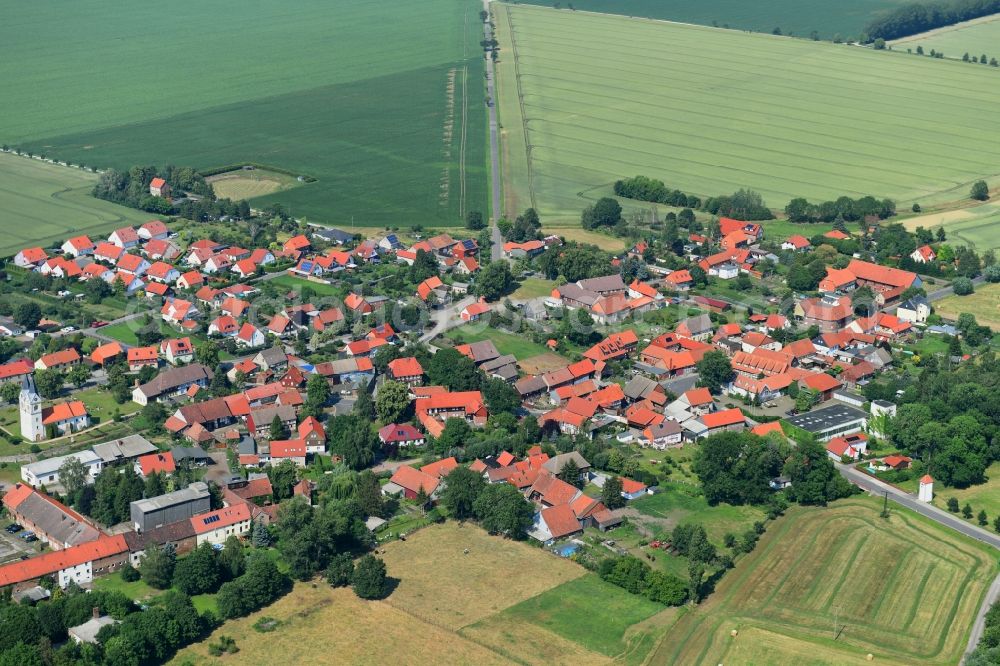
(47, 471)
(172, 382)
(159, 188)
(53, 523)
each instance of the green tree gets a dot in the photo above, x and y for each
(953, 504)
(317, 392)
(232, 560)
(364, 407)
(368, 493)
(340, 571)
(814, 478)
(980, 191)
(715, 371)
(157, 566)
(607, 212)
(198, 573)
(611, 493)
(455, 435)
(49, 383)
(474, 220)
(570, 473)
(736, 468)
(27, 314)
(495, 281)
(154, 485)
(278, 429)
(982, 519)
(967, 511)
(369, 579)
(461, 492)
(10, 391)
(283, 477)
(260, 536)
(73, 476)
(502, 509)
(454, 370)
(392, 400)
(500, 396)
(424, 266)
(963, 286)
(352, 437)
(696, 575)
(666, 589)
(207, 353)
(78, 375)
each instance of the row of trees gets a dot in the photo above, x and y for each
(843, 208)
(643, 188)
(913, 18)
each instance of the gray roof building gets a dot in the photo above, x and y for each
(333, 235)
(124, 449)
(87, 632)
(556, 464)
(53, 522)
(831, 421)
(174, 379)
(162, 510)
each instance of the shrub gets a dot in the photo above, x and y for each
(962, 286)
(130, 574)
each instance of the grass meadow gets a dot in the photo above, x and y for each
(41, 203)
(896, 589)
(381, 103)
(586, 99)
(984, 302)
(846, 18)
(974, 37)
(506, 343)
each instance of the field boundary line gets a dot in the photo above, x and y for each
(919, 595)
(847, 571)
(524, 114)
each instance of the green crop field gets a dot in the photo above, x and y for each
(380, 102)
(586, 99)
(977, 37)
(828, 19)
(830, 585)
(41, 203)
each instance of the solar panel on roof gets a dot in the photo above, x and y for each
(210, 520)
(469, 244)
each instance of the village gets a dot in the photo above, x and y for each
(245, 373)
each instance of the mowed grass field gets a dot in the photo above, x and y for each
(976, 226)
(586, 99)
(974, 37)
(984, 302)
(503, 602)
(250, 184)
(41, 203)
(905, 590)
(846, 18)
(381, 102)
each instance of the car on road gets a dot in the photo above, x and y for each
(13, 528)
(98, 324)
(68, 329)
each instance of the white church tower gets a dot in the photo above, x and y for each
(926, 493)
(30, 404)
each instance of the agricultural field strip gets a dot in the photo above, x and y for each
(721, 134)
(292, 38)
(786, 540)
(873, 175)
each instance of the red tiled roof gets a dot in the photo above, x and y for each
(724, 418)
(224, 517)
(162, 463)
(413, 480)
(560, 520)
(405, 367)
(54, 561)
(16, 368)
(441, 468)
(288, 448)
(767, 428)
(136, 354)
